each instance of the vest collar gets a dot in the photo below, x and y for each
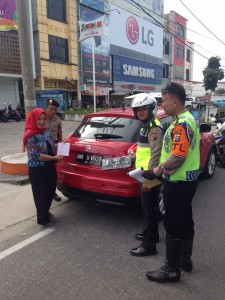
(175, 119)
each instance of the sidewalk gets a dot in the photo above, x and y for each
(17, 204)
(16, 199)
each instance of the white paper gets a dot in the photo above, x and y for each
(136, 174)
(63, 149)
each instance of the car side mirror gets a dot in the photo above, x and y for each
(204, 127)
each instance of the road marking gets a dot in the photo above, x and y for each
(25, 242)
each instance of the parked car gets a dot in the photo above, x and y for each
(195, 102)
(102, 151)
(218, 103)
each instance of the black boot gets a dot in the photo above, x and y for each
(185, 260)
(171, 271)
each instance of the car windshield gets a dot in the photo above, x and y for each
(105, 127)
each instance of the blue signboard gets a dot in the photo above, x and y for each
(130, 70)
(96, 4)
(59, 95)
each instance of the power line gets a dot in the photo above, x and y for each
(188, 29)
(161, 25)
(202, 23)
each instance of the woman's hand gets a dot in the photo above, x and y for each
(58, 157)
(66, 140)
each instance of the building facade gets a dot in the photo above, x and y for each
(56, 52)
(10, 67)
(178, 52)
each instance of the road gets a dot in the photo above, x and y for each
(86, 255)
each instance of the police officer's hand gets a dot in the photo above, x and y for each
(148, 175)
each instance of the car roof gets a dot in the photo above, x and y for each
(126, 112)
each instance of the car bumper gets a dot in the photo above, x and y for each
(118, 188)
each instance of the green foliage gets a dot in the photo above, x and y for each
(220, 92)
(81, 111)
(212, 73)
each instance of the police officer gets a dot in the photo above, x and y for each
(180, 160)
(147, 156)
(54, 124)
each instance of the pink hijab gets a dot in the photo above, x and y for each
(31, 125)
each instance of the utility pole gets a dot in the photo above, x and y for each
(22, 7)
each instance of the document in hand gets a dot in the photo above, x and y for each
(136, 174)
(63, 149)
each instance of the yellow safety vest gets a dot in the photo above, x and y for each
(143, 153)
(189, 170)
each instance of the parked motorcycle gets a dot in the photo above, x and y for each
(219, 135)
(3, 115)
(21, 112)
(12, 114)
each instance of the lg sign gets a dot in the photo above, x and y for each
(132, 30)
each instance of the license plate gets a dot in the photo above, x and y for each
(89, 159)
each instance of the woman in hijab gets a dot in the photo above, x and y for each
(41, 163)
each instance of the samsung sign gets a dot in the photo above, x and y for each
(130, 70)
(134, 33)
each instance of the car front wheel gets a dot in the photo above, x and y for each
(210, 165)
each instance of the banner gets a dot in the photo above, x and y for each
(102, 50)
(92, 28)
(8, 17)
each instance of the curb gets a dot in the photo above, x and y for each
(14, 164)
(13, 179)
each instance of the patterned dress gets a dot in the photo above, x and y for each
(42, 174)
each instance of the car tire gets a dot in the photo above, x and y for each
(188, 107)
(210, 165)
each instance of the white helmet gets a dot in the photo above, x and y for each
(145, 100)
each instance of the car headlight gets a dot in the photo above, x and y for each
(116, 163)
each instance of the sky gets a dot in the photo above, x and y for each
(212, 15)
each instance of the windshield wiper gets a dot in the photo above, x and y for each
(107, 136)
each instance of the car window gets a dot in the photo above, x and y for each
(105, 127)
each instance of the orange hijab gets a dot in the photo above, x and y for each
(31, 125)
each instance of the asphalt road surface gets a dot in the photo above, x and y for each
(86, 255)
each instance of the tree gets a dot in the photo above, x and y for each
(220, 92)
(212, 73)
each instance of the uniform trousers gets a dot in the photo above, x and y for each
(177, 197)
(150, 209)
(43, 182)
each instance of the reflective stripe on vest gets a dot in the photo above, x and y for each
(189, 170)
(143, 153)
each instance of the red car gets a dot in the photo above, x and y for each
(102, 151)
